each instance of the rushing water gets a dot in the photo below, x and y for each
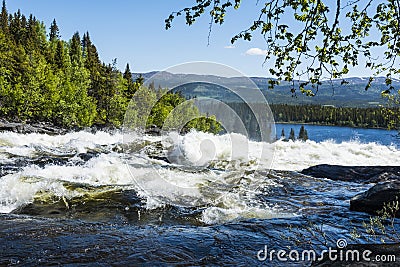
(92, 198)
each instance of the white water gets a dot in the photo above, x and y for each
(229, 155)
(299, 155)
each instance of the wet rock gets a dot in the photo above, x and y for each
(88, 155)
(374, 199)
(104, 127)
(153, 130)
(96, 203)
(43, 128)
(359, 174)
(105, 204)
(156, 151)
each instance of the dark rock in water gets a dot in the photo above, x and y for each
(88, 155)
(8, 169)
(47, 128)
(153, 130)
(105, 204)
(373, 200)
(387, 253)
(43, 128)
(105, 127)
(360, 174)
(97, 203)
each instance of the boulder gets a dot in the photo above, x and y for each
(43, 128)
(153, 130)
(374, 199)
(358, 174)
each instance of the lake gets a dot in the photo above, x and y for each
(343, 134)
(115, 198)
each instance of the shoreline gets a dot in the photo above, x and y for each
(48, 127)
(52, 129)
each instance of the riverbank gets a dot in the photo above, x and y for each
(39, 127)
(49, 128)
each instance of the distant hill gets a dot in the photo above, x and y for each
(352, 94)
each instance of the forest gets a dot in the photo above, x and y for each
(374, 117)
(46, 79)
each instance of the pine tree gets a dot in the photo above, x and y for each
(32, 36)
(131, 87)
(54, 31)
(140, 80)
(292, 135)
(92, 60)
(4, 18)
(15, 26)
(283, 134)
(59, 56)
(127, 73)
(303, 134)
(23, 30)
(94, 66)
(75, 50)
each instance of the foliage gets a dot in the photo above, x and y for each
(283, 134)
(167, 111)
(64, 82)
(340, 116)
(383, 227)
(311, 235)
(292, 135)
(316, 39)
(392, 112)
(303, 135)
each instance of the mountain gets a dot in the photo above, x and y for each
(351, 94)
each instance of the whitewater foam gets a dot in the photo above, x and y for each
(225, 185)
(296, 156)
(78, 142)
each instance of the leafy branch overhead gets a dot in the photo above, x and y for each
(314, 39)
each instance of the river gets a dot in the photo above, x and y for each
(100, 198)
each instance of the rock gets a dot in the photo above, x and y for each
(373, 200)
(48, 128)
(105, 127)
(42, 128)
(359, 174)
(153, 130)
(102, 203)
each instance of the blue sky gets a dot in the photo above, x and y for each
(133, 31)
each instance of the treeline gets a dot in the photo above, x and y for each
(44, 78)
(329, 115)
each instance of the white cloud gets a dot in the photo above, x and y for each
(256, 52)
(229, 47)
